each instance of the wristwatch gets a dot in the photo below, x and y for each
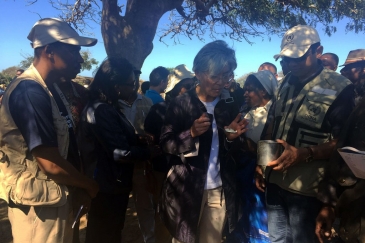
(310, 156)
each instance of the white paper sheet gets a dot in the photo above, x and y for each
(355, 159)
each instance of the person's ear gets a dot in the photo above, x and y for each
(319, 51)
(49, 50)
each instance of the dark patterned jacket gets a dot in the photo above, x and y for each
(183, 189)
(340, 187)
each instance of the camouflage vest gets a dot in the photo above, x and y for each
(307, 113)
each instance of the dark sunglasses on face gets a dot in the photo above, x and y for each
(296, 60)
(352, 67)
(248, 89)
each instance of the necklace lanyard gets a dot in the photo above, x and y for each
(65, 102)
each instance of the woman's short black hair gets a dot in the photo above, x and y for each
(145, 86)
(112, 71)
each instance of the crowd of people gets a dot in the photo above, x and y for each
(186, 147)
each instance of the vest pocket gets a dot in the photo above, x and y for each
(306, 138)
(314, 109)
(32, 191)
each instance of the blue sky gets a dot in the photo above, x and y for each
(17, 19)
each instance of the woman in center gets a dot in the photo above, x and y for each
(199, 194)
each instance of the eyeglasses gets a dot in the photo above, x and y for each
(226, 77)
(352, 67)
(248, 89)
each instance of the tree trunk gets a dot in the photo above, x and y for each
(131, 36)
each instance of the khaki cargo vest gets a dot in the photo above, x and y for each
(308, 111)
(21, 180)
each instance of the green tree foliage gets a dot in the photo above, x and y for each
(27, 61)
(129, 26)
(10, 71)
(8, 74)
(89, 61)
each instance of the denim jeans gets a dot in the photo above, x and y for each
(291, 216)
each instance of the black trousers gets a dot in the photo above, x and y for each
(106, 218)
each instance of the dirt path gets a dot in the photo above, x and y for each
(131, 232)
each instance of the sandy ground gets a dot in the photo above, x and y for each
(131, 232)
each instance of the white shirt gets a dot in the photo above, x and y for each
(213, 175)
(130, 110)
(256, 121)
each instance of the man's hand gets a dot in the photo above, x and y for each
(324, 222)
(61, 171)
(238, 125)
(200, 126)
(290, 156)
(259, 179)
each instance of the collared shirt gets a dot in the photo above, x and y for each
(256, 118)
(154, 96)
(136, 112)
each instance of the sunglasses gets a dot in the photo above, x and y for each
(248, 89)
(295, 60)
(352, 67)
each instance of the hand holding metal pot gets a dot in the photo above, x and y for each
(290, 156)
